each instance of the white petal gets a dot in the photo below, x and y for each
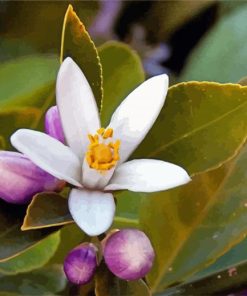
(92, 211)
(49, 154)
(147, 175)
(77, 106)
(92, 178)
(137, 113)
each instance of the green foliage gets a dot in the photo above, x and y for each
(24, 81)
(46, 210)
(70, 237)
(191, 128)
(45, 281)
(32, 258)
(227, 282)
(15, 118)
(202, 127)
(122, 72)
(77, 44)
(13, 241)
(221, 55)
(200, 221)
(236, 256)
(107, 284)
(51, 210)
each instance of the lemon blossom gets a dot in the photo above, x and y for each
(94, 159)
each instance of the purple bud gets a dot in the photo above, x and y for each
(53, 125)
(129, 254)
(21, 179)
(80, 264)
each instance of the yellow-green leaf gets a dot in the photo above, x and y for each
(25, 81)
(201, 125)
(77, 44)
(191, 226)
(34, 257)
(122, 72)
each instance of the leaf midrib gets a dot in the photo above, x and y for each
(196, 223)
(196, 130)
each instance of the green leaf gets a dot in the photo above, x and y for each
(71, 236)
(222, 54)
(13, 48)
(107, 284)
(27, 81)
(77, 44)
(122, 72)
(193, 225)
(45, 281)
(164, 18)
(15, 118)
(47, 209)
(227, 282)
(13, 240)
(191, 128)
(42, 214)
(33, 258)
(237, 255)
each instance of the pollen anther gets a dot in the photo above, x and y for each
(102, 155)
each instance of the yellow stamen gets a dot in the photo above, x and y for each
(101, 155)
(108, 133)
(101, 131)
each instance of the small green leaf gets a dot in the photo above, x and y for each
(50, 209)
(77, 44)
(42, 282)
(193, 225)
(34, 257)
(107, 284)
(13, 240)
(122, 72)
(201, 125)
(26, 81)
(47, 209)
(221, 56)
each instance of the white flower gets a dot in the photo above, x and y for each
(95, 159)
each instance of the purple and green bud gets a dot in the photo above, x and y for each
(128, 254)
(53, 125)
(80, 264)
(21, 179)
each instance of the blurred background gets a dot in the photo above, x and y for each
(175, 37)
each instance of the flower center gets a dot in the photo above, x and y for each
(102, 154)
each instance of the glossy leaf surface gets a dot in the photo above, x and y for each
(191, 226)
(47, 210)
(200, 126)
(32, 258)
(45, 281)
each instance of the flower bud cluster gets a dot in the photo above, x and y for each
(127, 253)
